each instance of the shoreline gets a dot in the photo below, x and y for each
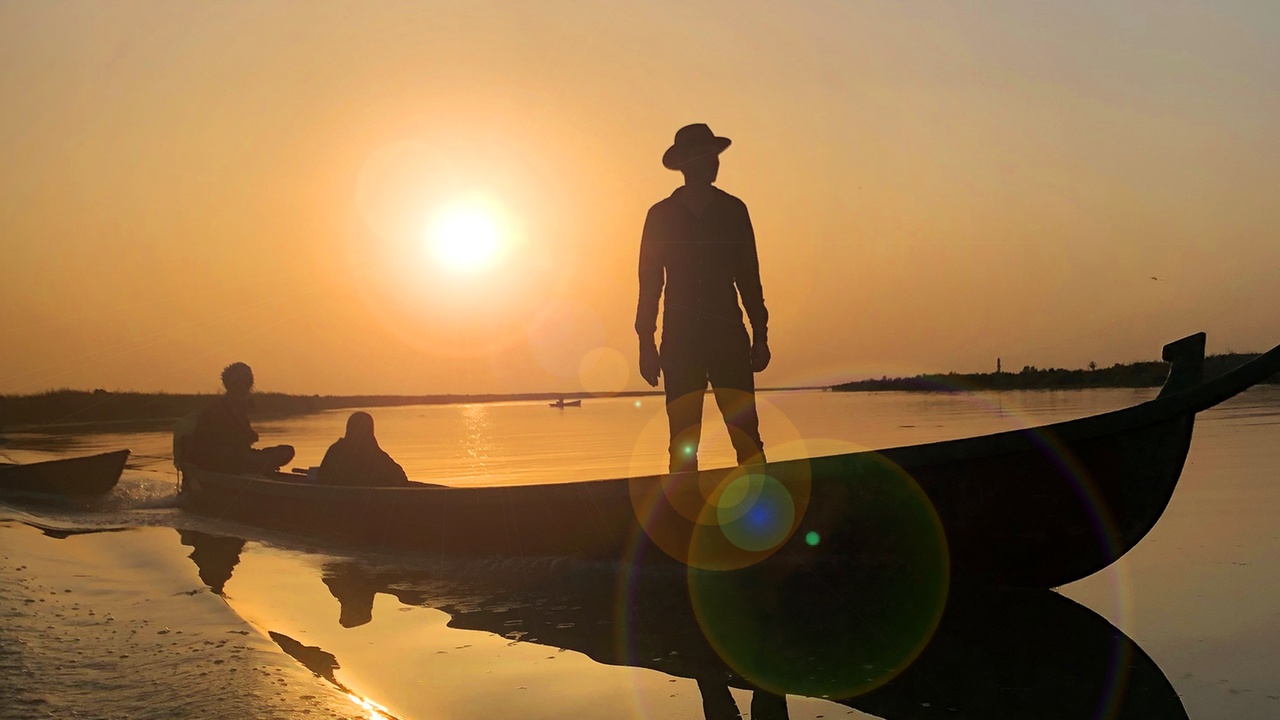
(1134, 375)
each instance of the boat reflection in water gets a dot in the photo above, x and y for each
(866, 641)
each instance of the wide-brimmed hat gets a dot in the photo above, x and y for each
(692, 142)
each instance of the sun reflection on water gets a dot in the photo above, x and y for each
(376, 711)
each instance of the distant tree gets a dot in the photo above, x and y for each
(1093, 365)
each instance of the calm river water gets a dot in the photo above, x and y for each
(1200, 596)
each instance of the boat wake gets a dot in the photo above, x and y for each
(141, 491)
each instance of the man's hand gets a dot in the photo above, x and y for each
(650, 362)
(760, 355)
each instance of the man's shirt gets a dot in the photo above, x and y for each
(223, 427)
(705, 263)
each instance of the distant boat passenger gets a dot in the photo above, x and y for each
(356, 459)
(223, 439)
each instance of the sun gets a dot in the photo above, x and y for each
(466, 236)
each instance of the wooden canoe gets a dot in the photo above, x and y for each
(92, 475)
(1038, 507)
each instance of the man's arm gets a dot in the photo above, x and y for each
(652, 277)
(747, 278)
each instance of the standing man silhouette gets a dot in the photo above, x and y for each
(700, 244)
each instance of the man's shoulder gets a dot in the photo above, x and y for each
(664, 205)
(731, 200)
(672, 201)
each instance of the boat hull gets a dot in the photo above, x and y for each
(1032, 510)
(92, 475)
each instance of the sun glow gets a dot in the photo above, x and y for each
(467, 236)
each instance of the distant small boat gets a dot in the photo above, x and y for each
(562, 403)
(92, 475)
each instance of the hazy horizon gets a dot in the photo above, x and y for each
(932, 187)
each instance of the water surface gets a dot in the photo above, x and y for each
(1196, 603)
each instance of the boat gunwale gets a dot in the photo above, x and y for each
(1005, 442)
(95, 456)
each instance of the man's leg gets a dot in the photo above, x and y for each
(279, 455)
(717, 701)
(767, 706)
(267, 460)
(685, 384)
(735, 388)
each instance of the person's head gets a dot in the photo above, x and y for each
(696, 154)
(360, 426)
(702, 170)
(237, 378)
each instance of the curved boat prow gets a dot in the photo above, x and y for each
(1186, 364)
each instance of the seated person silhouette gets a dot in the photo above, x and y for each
(355, 459)
(223, 439)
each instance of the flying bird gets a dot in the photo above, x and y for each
(1153, 277)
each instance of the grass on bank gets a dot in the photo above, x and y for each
(1120, 375)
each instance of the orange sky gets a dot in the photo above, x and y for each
(188, 184)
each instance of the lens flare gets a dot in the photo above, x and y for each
(857, 621)
(724, 518)
(564, 336)
(604, 372)
(764, 516)
(887, 615)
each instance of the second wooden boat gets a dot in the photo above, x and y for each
(92, 475)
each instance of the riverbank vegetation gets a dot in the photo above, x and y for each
(1120, 375)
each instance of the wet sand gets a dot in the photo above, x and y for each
(117, 625)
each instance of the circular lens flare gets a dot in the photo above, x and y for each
(466, 236)
(762, 517)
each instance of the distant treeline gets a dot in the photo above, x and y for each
(81, 407)
(1120, 375)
